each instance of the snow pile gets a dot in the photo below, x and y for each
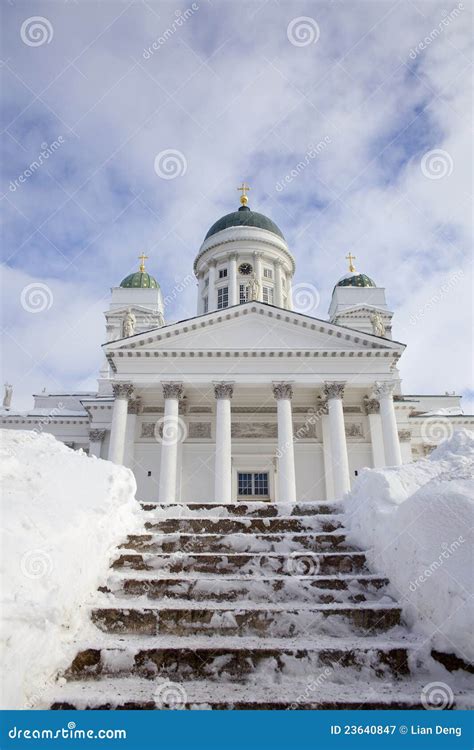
(63, 514)
(416, 522)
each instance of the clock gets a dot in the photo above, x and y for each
(245, 269)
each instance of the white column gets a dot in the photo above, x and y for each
(283, 393)
(372, 407)
(327, 454)
(257, 260)
(200, 305)
(277, 269)
(233, 286)
(122, 392)
(223, 463)
(289, 292)
(134, 408)
(340, 463)
(171, 435)
(383, 392)
(96, 438)
(212, 295)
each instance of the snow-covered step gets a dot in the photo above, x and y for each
(250, 509)
(269, 619)
(303, 693)
(304, 589)
(255, 564)
(213, 525)
(283, 543)
(193, 659)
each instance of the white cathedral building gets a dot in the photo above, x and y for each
(249, 399)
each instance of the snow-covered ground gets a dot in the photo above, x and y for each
(63, 514)
(417, 523)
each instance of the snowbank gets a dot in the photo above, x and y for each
(416, 521)
(63, 513)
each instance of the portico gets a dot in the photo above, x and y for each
(251, 435)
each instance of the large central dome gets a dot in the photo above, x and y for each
(244, 217)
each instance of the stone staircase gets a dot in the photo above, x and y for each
(248, 606)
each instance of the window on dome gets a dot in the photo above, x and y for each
(268, 273)
(222, 273)
(243, 294)
(267, 295)
(222, 297)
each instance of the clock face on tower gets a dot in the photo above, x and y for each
(245, 269)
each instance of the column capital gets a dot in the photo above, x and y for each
(371, 405)
(384, 388)
(135, 405)
(223, 390)
(96, 436)
(122, 390)
(282, 390)
(232, 256)
(172, 390)
(334, 390)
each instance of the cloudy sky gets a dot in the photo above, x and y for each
(241, 90)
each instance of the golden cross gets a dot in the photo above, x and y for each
(142, 258)
(350, 258)
(243, 198)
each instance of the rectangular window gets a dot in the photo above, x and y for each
(268, 273)
(206, 304)
(254, 484)
(222, 273)
(222, 297)
(244, 293)
(267, 295)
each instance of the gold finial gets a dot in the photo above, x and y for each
(142, 258)
(243, 198)
(350, 258)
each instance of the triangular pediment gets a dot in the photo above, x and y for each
(253, 326)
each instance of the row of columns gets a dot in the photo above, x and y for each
(232, 279)
(386, 451)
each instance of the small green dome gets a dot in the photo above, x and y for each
(356, 279)
(139, 280)
(244, 217)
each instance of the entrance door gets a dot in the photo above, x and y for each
(253, 484)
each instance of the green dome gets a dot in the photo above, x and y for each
(244, 217)
(139, 280)
(356, 279)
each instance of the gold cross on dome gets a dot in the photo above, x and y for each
(243, 198)
(142, 258)
(350, 258)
